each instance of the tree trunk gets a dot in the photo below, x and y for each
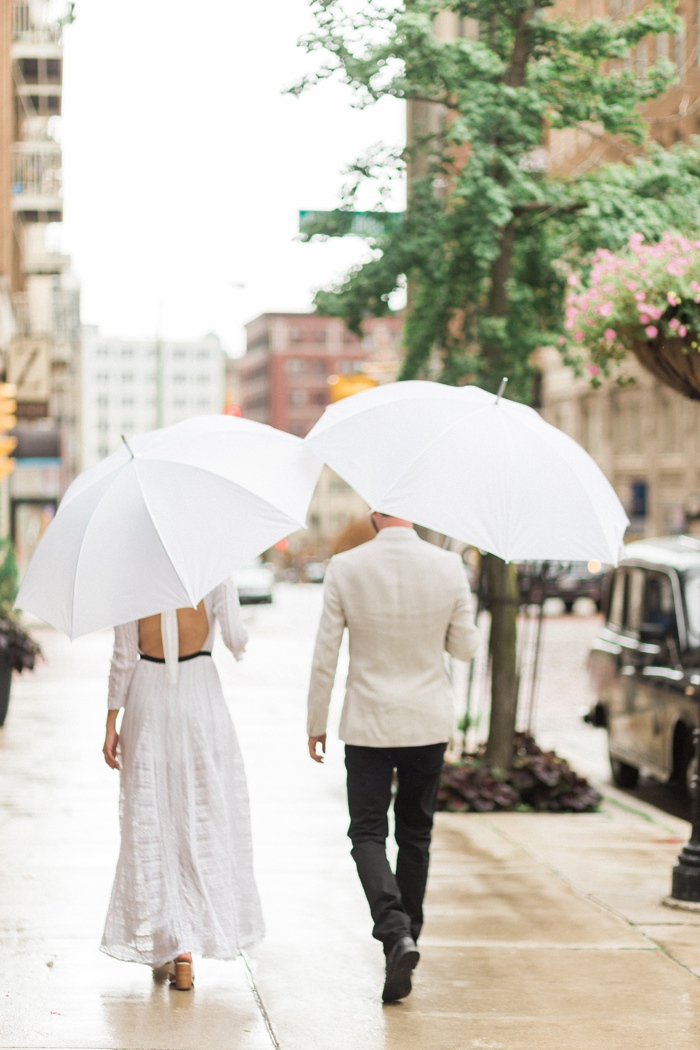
(503, 600)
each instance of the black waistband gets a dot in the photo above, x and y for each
(180, 659)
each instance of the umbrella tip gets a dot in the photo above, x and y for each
(499, 395)
(131, 450)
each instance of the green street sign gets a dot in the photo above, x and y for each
(341, 223)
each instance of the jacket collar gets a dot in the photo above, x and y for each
(397, 532)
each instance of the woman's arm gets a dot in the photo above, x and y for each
(124, 658)
(111, 739)
(227, 611)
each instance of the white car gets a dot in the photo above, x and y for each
(255, 582)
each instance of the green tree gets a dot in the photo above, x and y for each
(485, 227)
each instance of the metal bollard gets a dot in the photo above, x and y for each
(685, 884)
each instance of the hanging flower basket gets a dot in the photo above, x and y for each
(673, 361)
(645, 301)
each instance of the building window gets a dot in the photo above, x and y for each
(293, 366)
(320, 335)
(127, 377)
(295, 335)
(297, 397)
(128, 351)
(179, 354)
(179, 378)
(320, 397)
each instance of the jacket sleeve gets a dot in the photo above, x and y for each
(227, 610)
(124, 657)
(462, 638)
(328, 639)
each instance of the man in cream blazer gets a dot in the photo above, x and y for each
(404, 603)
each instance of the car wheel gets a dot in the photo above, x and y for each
(568, 607)
(623, 775)
(599, 605)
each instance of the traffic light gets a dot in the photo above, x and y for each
(346, 385)
(8, 421)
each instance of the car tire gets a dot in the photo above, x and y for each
(568, 608)
(624, 775)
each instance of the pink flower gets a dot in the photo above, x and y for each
(606, 309)
(578, 336)
(639, 296)
(672, 299)
(651, 331)
(695, 286)
(610, 334)
(569, 324)
(561, 340)
(593, 370)
(632, 285)
(673, 324)
(682, 331)
(644, 318)
(572, 280)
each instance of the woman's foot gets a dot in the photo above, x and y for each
(183, 976)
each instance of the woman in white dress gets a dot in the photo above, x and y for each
(184, 881)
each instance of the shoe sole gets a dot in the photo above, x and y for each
(398, 985)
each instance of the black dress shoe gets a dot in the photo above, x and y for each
(400, 964)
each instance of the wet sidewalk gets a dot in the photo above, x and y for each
(542, 931)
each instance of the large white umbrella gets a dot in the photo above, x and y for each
(485, 470)
(162, 521)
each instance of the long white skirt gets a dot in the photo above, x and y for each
(184, 879)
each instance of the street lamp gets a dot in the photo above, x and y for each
(685, 885)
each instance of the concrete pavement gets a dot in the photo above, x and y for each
(542, 930)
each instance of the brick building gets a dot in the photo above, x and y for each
(282, 379)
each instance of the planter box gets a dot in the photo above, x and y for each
(673, 361)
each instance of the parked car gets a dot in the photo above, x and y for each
(645, 662)
(315, 571)
(566, 580)
(255, 582)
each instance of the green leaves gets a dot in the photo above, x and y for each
(488, 236)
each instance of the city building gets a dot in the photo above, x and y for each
(645, 437)
(282, 378)
(132, 386)
(39, 299)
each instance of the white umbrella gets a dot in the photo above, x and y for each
(162, 521)
(482, 469)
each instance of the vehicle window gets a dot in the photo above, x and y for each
(617, 599)
(692, 605)
(635, 596)
(659, 604)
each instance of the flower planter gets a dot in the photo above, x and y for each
(5, 686)
(673, 361)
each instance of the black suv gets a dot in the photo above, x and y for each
(645, 663)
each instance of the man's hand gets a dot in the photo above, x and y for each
(313, 741)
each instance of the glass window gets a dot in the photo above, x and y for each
(659, 604)
(617, 599)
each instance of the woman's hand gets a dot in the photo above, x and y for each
(111, 741)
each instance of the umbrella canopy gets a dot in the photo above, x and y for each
(486, 471)
(162, 521)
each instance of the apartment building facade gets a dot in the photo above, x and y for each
(39, 298)
(282, 379)
(132, 386)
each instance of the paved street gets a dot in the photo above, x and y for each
(542, 931)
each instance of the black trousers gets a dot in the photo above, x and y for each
(396, 901)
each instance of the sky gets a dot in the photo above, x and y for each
(185, 164)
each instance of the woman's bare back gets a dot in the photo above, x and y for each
(192, 626)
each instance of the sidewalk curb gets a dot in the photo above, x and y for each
(675, 825)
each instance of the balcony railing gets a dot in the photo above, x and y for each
(36, 174)
(26, 29)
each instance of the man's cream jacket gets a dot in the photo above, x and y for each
(404, 602)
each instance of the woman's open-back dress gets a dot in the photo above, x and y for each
(184, 879)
